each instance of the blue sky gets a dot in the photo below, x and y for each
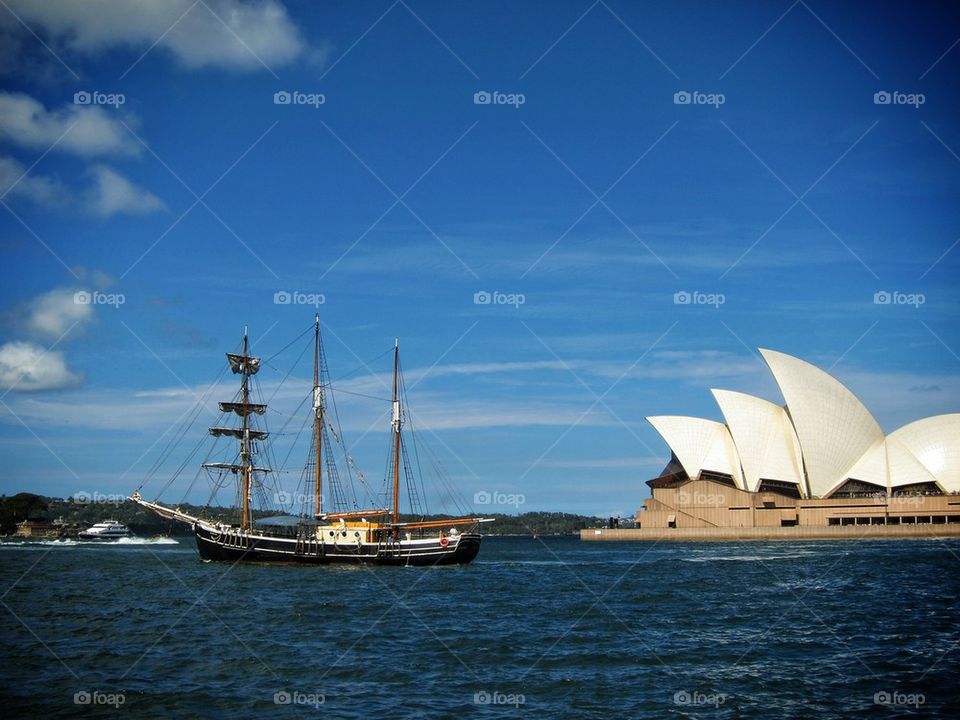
(786, 188)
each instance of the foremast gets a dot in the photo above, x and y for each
(246, 366)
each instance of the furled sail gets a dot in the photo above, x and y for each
(238, 433)
(242, 409)
(243, 364)
(232, 467)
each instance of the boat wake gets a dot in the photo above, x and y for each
(134, 541)
(160, 540)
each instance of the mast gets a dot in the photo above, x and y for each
(245, 440)
(396, 431)
(318, 420)
(245, 366)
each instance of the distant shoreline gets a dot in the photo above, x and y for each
(88, 510)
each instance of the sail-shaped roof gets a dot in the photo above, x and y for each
(823, 437)
(835, 429)
(872, 467)
(764, 437)
(935, 444)
(700, 445)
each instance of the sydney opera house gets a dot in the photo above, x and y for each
(819, 460)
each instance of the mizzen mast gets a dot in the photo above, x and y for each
(396, 431)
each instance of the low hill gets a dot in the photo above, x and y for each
(16, 508)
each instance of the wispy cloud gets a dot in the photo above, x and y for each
(113, 194)
(107, 192)
(507, 254)
(85, 130)
(605, 463)
(37, 188)
(218, 33)
(53, 313)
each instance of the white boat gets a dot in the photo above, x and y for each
(106, 530)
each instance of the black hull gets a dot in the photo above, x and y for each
(234, 547)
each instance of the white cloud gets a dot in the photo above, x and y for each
(156, 409)
(93, 130)
(80, 129)
(685, 365)
(98, 278)
(26, 366)
(37, 188)
(605, 463)
(109, 193)
(231, 34)
(55, 312)
(54, 315)
(112, 194)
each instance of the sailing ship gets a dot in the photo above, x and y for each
(375, 535)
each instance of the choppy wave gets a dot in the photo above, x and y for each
(665, 630)
(746, 558)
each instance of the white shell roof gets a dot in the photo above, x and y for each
(873, 467)
(764, 438)
(935, 444)
(700, 445)
(905, 468)
(891, 464)
(822, 437)
(834, 428)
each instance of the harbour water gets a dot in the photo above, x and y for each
(539, 628)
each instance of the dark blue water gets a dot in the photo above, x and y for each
(553, 628)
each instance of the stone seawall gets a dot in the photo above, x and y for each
(828, 532)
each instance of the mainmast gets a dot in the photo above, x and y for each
(245, 366)
(396, 431)
(318, 420)
(245, 440)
